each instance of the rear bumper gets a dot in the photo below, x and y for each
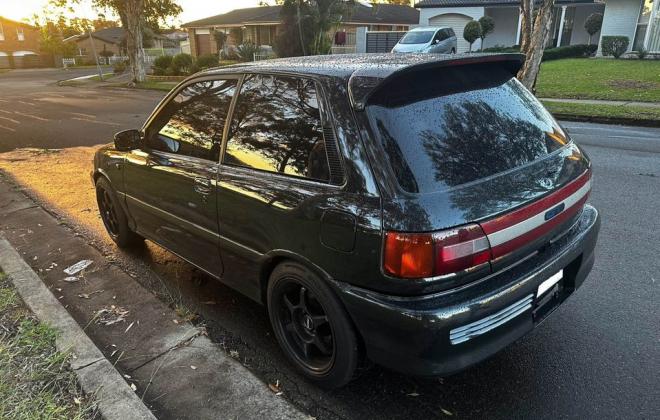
(446, 332)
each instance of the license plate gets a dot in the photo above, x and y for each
(547, 285)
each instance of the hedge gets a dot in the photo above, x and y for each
(569, 51)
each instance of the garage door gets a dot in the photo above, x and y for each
(456, 22)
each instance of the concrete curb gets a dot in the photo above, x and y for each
(116, 400)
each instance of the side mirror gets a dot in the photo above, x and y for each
(128, 140)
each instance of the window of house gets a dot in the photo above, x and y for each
(276, 127)
(2, 33)
(642, 24)
(20, 34)
(192, 123)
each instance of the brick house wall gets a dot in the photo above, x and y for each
(11, 42)
(85, 51)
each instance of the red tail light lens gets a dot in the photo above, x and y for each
(418, 255)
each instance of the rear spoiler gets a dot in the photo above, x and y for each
(364, 83)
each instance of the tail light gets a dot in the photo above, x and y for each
(418, 255)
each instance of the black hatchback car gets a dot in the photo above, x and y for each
(418, 211)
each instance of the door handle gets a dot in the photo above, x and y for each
(202, 186)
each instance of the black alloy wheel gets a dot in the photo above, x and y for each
(312, 326)
(113, 216)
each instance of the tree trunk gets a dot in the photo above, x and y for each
(527, 14)
(132, 21)
(534, 48)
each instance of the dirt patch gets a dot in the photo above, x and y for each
(633, 84)
(60, 177)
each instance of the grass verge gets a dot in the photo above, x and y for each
(600, 78)
(647, 115)
(35, 380)
(156, 85)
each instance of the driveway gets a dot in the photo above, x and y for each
(596, 357)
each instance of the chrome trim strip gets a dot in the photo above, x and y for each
(482, 326)
(512, 232)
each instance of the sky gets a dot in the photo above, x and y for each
(192, 9)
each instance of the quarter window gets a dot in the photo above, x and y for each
(192, 123)
(276, 127)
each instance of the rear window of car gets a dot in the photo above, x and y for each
(417, 37)
(447, 127)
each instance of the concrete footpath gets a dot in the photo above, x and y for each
(173, 366)
(602, 102)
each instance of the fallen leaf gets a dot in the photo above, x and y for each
(447, 412)
(129, 327)
(209, 302)
(127, 376)
(77, 401)
(133, 387)
(193, 367)
(413, 394)
(233, 353)
(83, 295)
(175, 321)
(71, 279)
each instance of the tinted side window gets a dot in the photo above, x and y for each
(276, 127)
(450, 32)
(443, 34)
(192, 123)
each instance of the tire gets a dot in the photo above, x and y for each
(113, 216)
(311, 326)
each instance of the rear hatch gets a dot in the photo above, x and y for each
(467, 144)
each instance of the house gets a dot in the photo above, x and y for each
(19, 45)
(261, 25)
(639, 20)
(109, 42)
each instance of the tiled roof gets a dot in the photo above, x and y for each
(378, 14)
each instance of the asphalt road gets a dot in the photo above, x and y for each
(598, 356)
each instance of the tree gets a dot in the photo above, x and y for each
(135, 16)
(310, 24)
(487, 26)
(472, 32)
(535, 28)
(51, 41)
(593, 24)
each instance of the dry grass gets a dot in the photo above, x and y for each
(35, 379)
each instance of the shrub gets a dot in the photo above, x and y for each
(472, 32)
(181, 64)
(615, 45)
(206, 61)
(569, 51)
(593, 24)
(161, 64)
(503, 49)
(247, 51)
(487, 26)
(120, 67)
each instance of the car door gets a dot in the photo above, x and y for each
(275, 182)
(436, 42)
(171, 182)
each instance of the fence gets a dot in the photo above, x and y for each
(382, 41)
(66, 62)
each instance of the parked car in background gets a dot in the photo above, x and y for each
(423, 218)
(427, 39)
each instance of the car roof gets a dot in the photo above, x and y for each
(364, 72)
(343, 66)
(428, 28)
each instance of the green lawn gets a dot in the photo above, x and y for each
(603, 111)
(156, 85)
(35, 382)
(600, 78)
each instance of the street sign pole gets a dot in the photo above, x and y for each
(96, 58)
